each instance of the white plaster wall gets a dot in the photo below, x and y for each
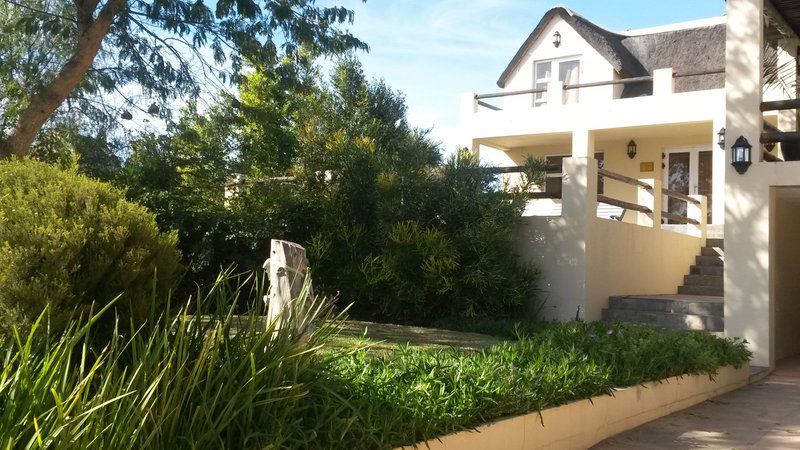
(594, 67)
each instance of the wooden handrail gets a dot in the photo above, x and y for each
(778, 105)
(677, 218)
(698, 73)
(551, 168)
(623, 178)
(506, 94)
(626, 205)
(544, 195)
(773, 137)
(490, 106)
(680, 196)
(609, 83)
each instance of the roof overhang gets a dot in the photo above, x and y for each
(789, 12)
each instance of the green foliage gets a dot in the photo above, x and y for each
(414, 394)
(194, 380)
(67, 242)
(388, 226)
(210, 379)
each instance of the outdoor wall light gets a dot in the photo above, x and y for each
(741, 155)
(632, 149)
(556, 39)
(721, 138)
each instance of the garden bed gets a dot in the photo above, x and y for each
(599, 417)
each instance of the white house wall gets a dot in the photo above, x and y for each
(594, 67)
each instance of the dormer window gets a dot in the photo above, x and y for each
(568, 73)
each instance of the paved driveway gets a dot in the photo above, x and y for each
(763, 415)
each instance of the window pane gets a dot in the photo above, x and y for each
(678, 180)
(705, 173)
(540, 98)
(554, 176)
(543, 70)
(569, 73)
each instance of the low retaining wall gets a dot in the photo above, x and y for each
(581, 424)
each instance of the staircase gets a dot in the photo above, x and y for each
(697, 306)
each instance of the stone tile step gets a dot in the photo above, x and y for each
(715, 243)
(709, 260)
(667, 321)
(705, 306)
(707, 270)
(701, 290)
(712, 251)
(703, 280)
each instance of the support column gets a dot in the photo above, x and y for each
(650, 198)
(700, 214)
(579, 210)
(749, 305)
(582, 144)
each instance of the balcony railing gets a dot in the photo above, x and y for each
(559, 86)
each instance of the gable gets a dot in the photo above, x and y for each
(607, 44)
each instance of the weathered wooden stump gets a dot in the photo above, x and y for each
(288, 269)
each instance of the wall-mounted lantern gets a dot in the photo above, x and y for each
(632, 149)
(556, 39)
(721, 138)
(741, 159)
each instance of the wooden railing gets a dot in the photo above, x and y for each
(566, 87)
(675, 217)
(620, 203)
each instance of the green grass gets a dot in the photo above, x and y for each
(226, 383)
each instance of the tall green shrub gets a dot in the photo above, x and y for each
(68, 242)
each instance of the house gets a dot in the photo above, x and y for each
(648, 213)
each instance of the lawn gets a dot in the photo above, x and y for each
(385, 338)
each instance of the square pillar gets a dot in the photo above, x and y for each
(650, 198)
(578, 211)
(555, 94)
(698, 212)
(582, 144)
(749, 304)
(663, 82)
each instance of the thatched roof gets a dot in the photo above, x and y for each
(685, 50)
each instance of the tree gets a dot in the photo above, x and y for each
(153, 43)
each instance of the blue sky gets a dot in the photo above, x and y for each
(434, 50)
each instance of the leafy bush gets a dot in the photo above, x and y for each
(414, 394)
(389, 226)
(67, 241)
(225, 381)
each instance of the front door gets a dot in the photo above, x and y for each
(688, 171)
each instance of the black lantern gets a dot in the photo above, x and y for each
(632, 149)
(721, 138)
(741, 155)
(556, 39)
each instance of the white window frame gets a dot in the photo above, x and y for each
(540, 99)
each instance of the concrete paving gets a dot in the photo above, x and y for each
(763, 415)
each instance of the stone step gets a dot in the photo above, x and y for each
(701, 290)
(712, 251)
(707, 270)
(715, 243)
(668, 305)
(703, 280)
(664, 320)
(709, 260)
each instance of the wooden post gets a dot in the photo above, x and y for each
(288, 268)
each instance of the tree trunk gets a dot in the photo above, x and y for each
(288, 268)
(45, 102)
